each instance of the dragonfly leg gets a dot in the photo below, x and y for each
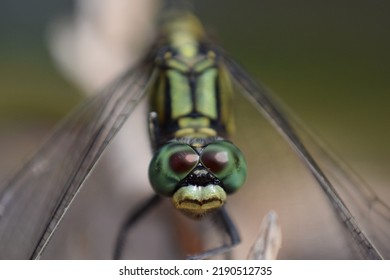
(132, 218)
(228, 226)
(153, 130)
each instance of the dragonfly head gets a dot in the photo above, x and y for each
(197, 175)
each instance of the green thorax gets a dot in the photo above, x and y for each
(192, 95)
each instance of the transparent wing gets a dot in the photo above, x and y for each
(33, 202)
(365, 217)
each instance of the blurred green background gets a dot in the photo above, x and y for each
(327, 60)
(30, 86)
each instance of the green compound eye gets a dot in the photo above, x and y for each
(227, 163)
(170, 165)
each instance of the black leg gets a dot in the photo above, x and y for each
(229, 228)
(132, 218)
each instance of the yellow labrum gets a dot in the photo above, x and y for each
(198, 201)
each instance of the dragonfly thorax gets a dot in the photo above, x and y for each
(192, 97)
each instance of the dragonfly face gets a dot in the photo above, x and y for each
(197, 175)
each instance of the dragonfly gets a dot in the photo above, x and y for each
(33, 202)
